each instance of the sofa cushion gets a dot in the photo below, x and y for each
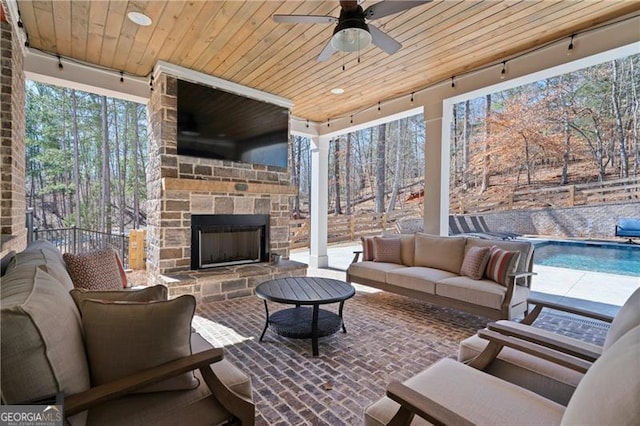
(608, 392)
(439, 252)
(501, 264)
(417, 278)
(475, 262)
(478, 292)
(122, 338)
(386, 249)
(42, 252)
(546, 378)
(474, 395)
(42, 348)
(408, 249)
(147, 294)
(96, 270)
(375, 271)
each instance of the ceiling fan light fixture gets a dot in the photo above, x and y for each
(351, 36)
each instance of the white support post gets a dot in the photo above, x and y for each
(319, 201)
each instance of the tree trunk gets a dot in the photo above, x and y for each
(620, 131)
(76, 157)
(466, 136)
(347, 173)
(566, 154)
(136, 161)
(380, 168)
(336, 177)
(397, 176)
(106, 172)
(486, 159)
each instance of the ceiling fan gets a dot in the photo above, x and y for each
(353, 32)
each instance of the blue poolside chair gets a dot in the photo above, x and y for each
(628, 228)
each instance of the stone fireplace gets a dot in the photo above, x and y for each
(182, 188)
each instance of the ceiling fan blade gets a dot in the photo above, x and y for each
(383, 41)
(304, 19)
(386, 8)
(326, 52)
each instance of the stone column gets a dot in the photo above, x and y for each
(13, 234)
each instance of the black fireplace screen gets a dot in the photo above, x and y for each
(223, 240)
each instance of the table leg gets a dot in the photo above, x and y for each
(266, 323)
(314, 330)
(344, 330)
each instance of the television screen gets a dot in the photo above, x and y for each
(216, 124)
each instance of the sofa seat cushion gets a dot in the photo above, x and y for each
(476, 396)
(542, 377)
(42, 350)
(374, 271)
(417, 278)
(42, 252)
(479, 292)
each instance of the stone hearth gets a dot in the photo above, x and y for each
(179, 186)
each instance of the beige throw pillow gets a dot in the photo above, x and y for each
(386, 250)
(501, 264)
(475, 262)
(122, 338)
(148, 294)
(96, 270)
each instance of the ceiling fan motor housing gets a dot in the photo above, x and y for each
(352, 32)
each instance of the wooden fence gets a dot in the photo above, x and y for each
(349, 228)
(594, 193)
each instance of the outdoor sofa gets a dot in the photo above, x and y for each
(119, 357)
(484, 277)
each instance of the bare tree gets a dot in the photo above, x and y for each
(380, 168)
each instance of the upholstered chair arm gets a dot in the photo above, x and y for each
(241, 407)
(564, 346)
(540, 304)
(498, 341)
(76, 403)
(414, 403)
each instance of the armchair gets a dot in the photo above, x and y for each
(551, 380)
(450, 392)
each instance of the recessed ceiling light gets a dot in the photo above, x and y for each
(337, 90)
(139, 18)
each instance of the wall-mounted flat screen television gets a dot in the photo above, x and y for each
(216, 124)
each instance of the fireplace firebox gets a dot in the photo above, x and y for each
(228, 239)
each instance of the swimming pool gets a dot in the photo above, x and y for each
(618, 259)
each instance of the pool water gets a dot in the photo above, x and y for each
(610, 258)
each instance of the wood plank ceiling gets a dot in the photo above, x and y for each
(238, 41)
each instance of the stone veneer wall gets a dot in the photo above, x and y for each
(179, 186)
(13, 233)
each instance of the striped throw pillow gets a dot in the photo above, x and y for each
(367, 248)
(501, 264)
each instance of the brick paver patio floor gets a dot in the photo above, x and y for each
(388, 337)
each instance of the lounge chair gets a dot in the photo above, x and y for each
(449, 392)
(454, 229)
(481, 225)
(628, 228)
(543, 377)
(462, 220)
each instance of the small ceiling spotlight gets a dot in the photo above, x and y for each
(60, 66)
(453, 81)
(337, 90)
(139, 18)
(503, 73)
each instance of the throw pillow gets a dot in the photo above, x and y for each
(147, 294)
(386, 250)
(475, 262)
(96, 270)
(501, 264)
(367, 248)
(122, 338)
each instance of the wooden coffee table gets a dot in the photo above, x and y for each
(304, 322)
